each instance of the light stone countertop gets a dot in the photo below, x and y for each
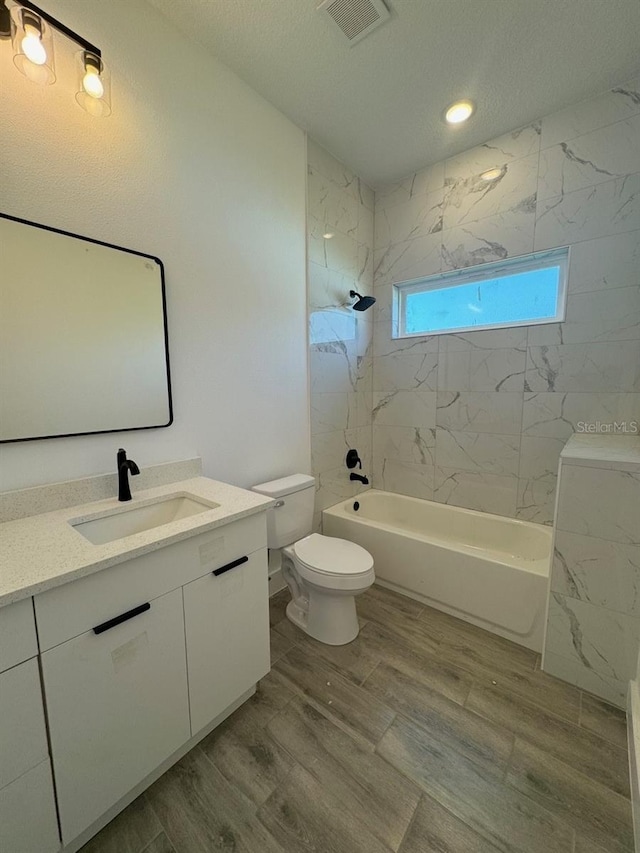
(44, 551)
(619, 452)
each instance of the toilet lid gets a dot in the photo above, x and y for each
(333, 556)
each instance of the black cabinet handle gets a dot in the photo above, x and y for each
(118, 620)
(230, 566)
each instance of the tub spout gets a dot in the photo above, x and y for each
(360, 478)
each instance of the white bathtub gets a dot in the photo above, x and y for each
(487, 569)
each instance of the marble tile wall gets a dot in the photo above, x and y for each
(340, 340)
(593, 625)
(478, 419)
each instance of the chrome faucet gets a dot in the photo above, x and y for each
(124, 466)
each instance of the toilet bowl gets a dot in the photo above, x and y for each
(324, 574)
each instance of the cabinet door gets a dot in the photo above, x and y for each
(227, 628)
(117, 704)
(23, 739)
(28, 813)
(18, 640)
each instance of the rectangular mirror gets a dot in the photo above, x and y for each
(83, 336)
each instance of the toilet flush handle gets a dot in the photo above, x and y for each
(278, 504)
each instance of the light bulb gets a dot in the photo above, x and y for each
(33, 48)
(92, 84)
(459, 112)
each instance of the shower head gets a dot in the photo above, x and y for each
(363, 302)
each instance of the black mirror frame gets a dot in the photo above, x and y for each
(164, 318)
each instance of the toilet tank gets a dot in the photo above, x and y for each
(292, 517)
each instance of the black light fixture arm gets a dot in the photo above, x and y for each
(5, 21)
(27, 4)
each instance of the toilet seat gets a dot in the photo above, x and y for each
(329, 555)
(339, 566)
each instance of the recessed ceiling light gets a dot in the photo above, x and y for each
(459, 112)
(491, 174)
(328, 235)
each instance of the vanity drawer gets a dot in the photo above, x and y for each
(23, 740)
(69, 610)
(18, 641)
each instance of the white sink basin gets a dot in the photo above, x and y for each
(126, 522)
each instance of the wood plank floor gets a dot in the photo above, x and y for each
(424, 735)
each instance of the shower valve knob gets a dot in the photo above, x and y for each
(353, 459)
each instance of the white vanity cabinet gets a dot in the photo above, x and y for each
(139, 658)
(227, 627)
(28, 821)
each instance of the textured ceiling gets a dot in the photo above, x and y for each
(377, 106)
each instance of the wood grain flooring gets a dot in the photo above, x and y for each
(160, 844)
(423, 735)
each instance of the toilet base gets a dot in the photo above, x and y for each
(330, 619)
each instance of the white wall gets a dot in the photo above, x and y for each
(194, 167)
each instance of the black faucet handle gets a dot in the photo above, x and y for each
(353, 459)
(133, 468)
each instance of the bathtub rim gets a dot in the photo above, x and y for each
(540, 566)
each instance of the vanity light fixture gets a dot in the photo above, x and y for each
(5, 21)
(459, 112)
(32, 45)
(94, 91)
(32, 32)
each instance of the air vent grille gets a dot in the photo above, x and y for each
(355, 18)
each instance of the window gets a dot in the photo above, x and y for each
(523, 291)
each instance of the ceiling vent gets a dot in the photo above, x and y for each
(355, 18)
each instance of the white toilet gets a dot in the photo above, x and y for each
(324, 574)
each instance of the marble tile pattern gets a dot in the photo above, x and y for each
(593, 623)
(340, 340)
(507, 400)
(423, 735)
